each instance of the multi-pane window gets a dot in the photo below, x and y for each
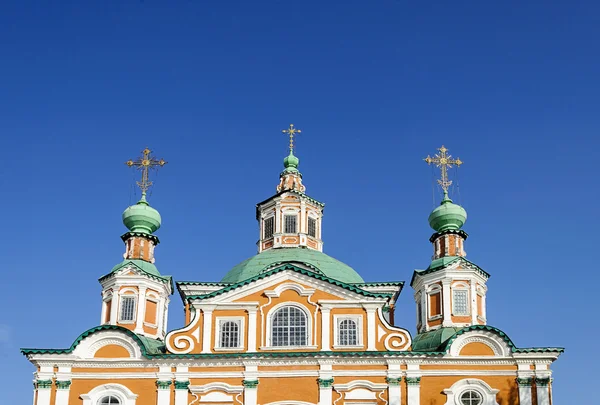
(419, 312)
(229, 334)
(460, 302)
(312, 227)
(109, 400)
(290, 223)
(471, 398)
(347, 332)
(127, 309)
(289, 327)
(269, 226)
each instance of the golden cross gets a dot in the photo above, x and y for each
(444, 162)
(291, 131)
(145, 164)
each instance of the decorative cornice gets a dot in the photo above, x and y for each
(250, 383)
(525, 382)
(542, 382)
(412, 380)
(182, 385)
(164, 385)
(393, 380)
(63, 385)
(43, 384)
(325, 382)
(148, 236)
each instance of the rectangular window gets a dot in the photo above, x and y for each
(435, 304)
(268, 224)
(419, 314)
(127, 309)
(230, 334)
(460, 302)
(312, 227)
(290, 223)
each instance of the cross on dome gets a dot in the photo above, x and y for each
(145, 163)
(444, 161)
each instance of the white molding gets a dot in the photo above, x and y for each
(358, 319)
(491, 339)
(216, 386)
(359, 384)
(87, 348)
(241, 336)
(269, 326)
(120, 391)
(184, 344)
(487, 393)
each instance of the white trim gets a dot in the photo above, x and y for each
(183, 344)
(491, 339)
(120, 391)
(269, 326)
(358, 320)
(216, 386)
(219, 320)
(359, 384)
(487, 393)
(87, 348)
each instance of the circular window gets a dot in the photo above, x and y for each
(109, 400)
(471, 398)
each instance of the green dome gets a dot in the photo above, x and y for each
(291, 162)
(448, 216)
(141, 217)
(317, 261)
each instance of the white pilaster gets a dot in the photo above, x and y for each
(423, 310)
(103, 314)
(207, 328)
(543, 390)
(394, 379)
(325, 329)
(63, 385)
(164, 376)
(114, 308)
(44, 385)
(141, 310)
(252, 329)
(163, 396)
(524, 394)
(446, 303)
(43, 395)
(413, 381)
(371, 327)
(473, 296)
(159, 320)
(182, 381)
(325, 381)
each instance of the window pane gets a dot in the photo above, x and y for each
(347, 333)
(289, 327)
(269, 227)
(110, 400)
(312, 227)
(230, 334)
(290, 224)
(460, 302)
(127, 308)
(471, 398)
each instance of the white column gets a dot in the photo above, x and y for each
(207, 328)
(252, 330)
(325, 329)
(543, 390)
(182, 381)
(394, 379)
(447, 308)
(473, 296)
(483, 308)
(141, 311)
(371, 327)
(165, 320)
(423, 309)
(103, 314)
(63, 385)
(414, 390)
(44, 388)
(325, 392)
(250, 392)
(163, 385)
(114, 308)
(524, 391)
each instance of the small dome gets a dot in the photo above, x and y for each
(448, 216)
(271, 258)
(141, 217)
(291, 162)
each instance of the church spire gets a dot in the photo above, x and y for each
(290, 178)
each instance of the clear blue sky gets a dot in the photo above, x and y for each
(511, 88)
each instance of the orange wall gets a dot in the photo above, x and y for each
(145, 389)
(292, 389)
(432, 388)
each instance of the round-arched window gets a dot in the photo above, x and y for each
(471, 398)
(109, 400)
(289, 327)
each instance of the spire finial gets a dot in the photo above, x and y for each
(145, 163)
(291, 131)
(444, 161)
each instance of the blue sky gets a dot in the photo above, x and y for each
(510, 88)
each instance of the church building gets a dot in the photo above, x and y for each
(292, 325)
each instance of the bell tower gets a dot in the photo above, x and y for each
(134, 294)
(451, 292)
(290, 218)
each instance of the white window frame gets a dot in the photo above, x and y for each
(129, 293)
(119, 391)
(437, 289)
(453, 394)
(310, 217)
(290, 214)
(463, 288)
(240, 320)
(264, 231)
(358, 319)
(309, 327)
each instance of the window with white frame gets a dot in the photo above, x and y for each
(269, 225)
(312, 227)
(460, 302)
(289, 327)
(109, 400)
(290, 223)
(471, 397)
(230, 333)
(348, 331)
(127, 313)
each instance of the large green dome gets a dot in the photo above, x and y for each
(313, 259)
(448, 216)
(141, 217)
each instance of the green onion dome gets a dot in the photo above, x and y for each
(141, 217)
(448, 216)
(291, 162)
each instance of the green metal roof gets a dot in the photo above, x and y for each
(317, 261)
(443, 262)
(432, 340)
(288, 266)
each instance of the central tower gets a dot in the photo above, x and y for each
(290, 218)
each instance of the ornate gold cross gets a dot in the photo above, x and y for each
(444, 162)
(291, 131)
(145, 164)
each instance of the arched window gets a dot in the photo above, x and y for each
(109, 400)
(471, 397)
(289, 327)
(347, 333)
(230, 334)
